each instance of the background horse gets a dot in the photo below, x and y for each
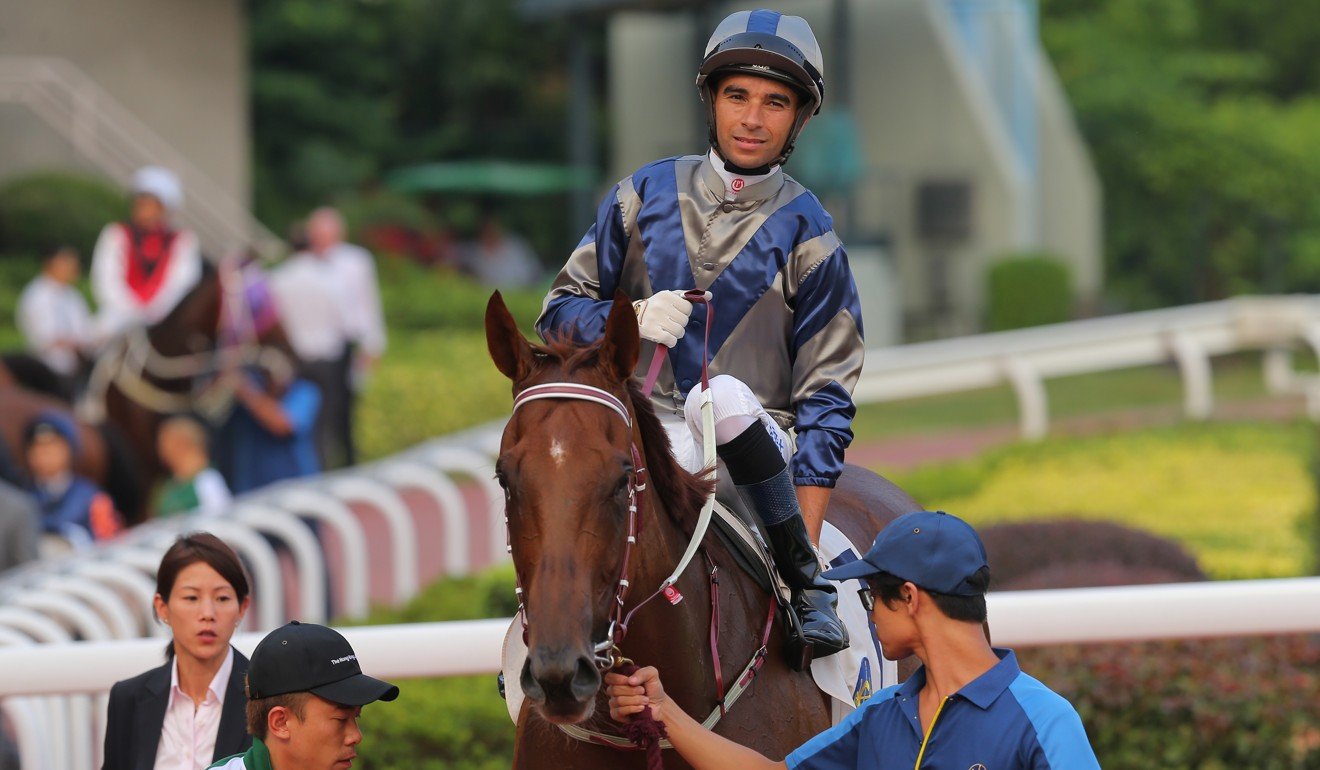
(178, 365)
(567, 470)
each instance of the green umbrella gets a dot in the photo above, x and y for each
(496, 177)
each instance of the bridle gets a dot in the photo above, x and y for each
(605, 653)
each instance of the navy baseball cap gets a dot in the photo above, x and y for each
(305, 657)
(932, 549)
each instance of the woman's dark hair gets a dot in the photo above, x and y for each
(200, 547)
(888, 589)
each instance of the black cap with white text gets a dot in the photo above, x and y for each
(305, 657)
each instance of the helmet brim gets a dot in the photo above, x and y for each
(756, 54)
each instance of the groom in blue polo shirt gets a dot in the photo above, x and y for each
(968, 706)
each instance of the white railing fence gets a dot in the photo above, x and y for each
(1188, 336)
(321, 547)
(54, 694)
(331, 545)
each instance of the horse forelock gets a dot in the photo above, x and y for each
(681, 492)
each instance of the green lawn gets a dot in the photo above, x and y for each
(1241, 497)
(1235, 377)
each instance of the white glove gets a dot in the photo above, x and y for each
(663, 318)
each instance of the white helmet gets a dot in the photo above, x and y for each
(771, 45)
(160, 183)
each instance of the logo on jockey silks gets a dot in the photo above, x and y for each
(862, 690)
(737, 184)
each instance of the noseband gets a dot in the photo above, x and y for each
(605, 653)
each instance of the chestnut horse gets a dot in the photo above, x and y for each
(567, 467)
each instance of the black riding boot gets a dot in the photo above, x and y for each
(753, 455)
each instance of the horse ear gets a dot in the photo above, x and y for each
(510, 352)
(622, 344)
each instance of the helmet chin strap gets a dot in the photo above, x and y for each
(734, 168)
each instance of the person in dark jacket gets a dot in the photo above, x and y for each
(189, 712)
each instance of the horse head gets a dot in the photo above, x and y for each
(568, 470)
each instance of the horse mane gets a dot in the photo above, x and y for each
(209, 273)
(682, 493)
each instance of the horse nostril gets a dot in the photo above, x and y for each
(530, 687)
(586, 679)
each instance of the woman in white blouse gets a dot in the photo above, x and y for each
(189, 712)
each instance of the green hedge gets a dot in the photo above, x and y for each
(458, 723)
(1239, 496)
(417, 297)
(45, 209)
(1028, 290)
(1195, 704)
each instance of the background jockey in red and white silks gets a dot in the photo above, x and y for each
(143, 267)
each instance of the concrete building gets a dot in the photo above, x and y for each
(946, 143)
(109, 85)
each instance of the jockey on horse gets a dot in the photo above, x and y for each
(143, 267)
(786, 347)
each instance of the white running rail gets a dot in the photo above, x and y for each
(1189, 336)
(39, 674)
(114, 139)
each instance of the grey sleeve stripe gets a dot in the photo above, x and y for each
(580, 276)
(834, 354)
(808, 255)
(629, 204)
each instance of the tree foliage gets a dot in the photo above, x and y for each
(1201, 117)
(345, 90)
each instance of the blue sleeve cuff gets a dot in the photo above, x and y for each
(581, 318)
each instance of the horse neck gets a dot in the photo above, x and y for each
(197, 313)
(662, 633)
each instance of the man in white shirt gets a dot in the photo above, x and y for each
(53, 316)
(143, 267)
(329, 303)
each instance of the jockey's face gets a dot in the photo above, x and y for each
(148, 212)
(753, 118)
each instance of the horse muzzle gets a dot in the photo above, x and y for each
(561, 685)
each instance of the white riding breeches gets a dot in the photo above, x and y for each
(736, 407)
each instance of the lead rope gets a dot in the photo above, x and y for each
(707, 443)
(644, 730)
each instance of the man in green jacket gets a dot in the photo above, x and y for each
(305, 693)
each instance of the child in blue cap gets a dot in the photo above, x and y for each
(968, 705)
(72, 507)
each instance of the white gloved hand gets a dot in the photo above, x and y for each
(663, 318)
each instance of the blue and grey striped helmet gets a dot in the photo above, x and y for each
(771, 45)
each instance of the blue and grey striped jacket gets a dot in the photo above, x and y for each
(787, 318)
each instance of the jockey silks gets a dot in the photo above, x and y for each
(147, 258)
(788, 322)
